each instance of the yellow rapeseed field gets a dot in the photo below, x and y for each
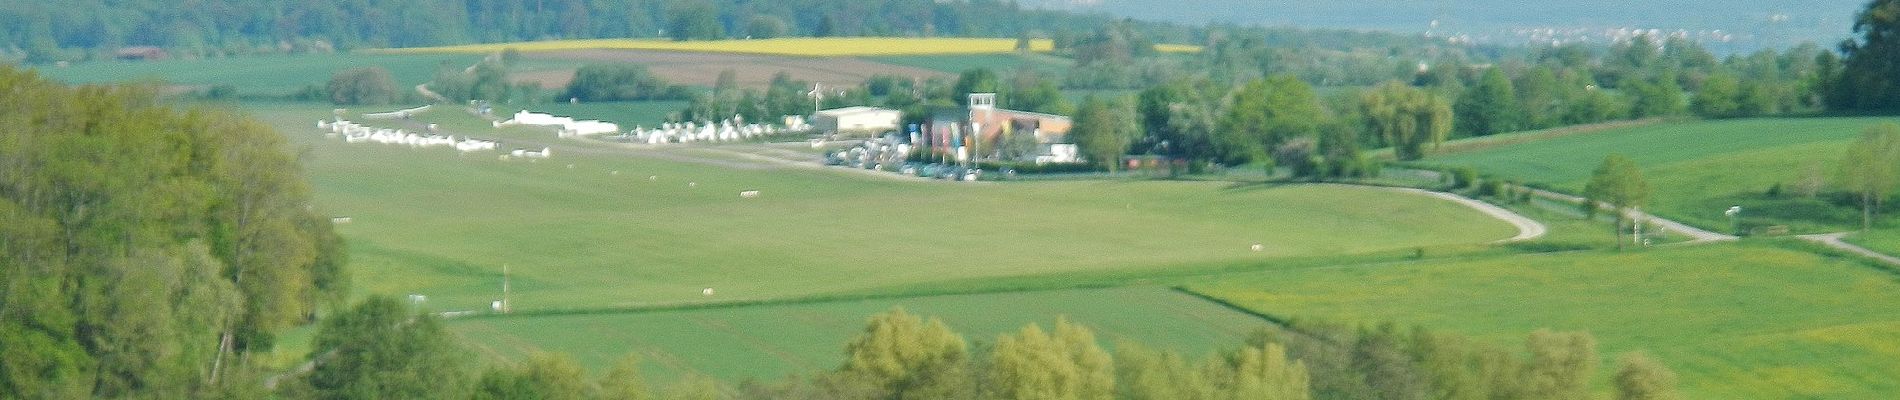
(809, 47)
(1177, 48)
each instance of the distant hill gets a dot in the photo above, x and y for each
(1747, 25)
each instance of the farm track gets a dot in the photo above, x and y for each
(1833, 240)
(1527, 228)
(1696, 235)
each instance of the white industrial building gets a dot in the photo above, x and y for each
(871, 120)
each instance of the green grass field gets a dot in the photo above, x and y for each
(433, 222)
(1695, 169)
(767, 342)
(272, 75)
(1734, 321)
(1745, 320)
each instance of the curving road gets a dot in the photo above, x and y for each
(1527, 228)
(1834, 240)
(1696, 235)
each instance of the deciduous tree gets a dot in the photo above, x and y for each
(1617, 183)
(1103, 131)
(1490, 107)
(1642, 378)
(1871, 169)
(362, 86)
(909, 357)
(1869, 77)
(1407, 118)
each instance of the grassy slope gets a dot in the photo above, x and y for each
(435, 223)
(770, 341)
(1695, 169)
(1735, 321)
(259, 75)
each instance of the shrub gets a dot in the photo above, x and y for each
(1463, 177)
(1491, 188)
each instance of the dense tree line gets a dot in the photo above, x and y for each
(381, 349)
(1868, 78)
(147, 251)
(41, 32)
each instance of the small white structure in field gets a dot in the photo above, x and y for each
(692, 184)
(706, 292)
(341, 220)
(856, 119)
(1258, 247)
(523, 153)
(749, 194)
(652, 178)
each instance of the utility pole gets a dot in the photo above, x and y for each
(504, 289)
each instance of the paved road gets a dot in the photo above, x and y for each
(1834, 240)
(1696, 235)
(1527, 228)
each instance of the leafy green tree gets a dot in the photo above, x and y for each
(1266, 114)
(1871, 169)
(978, 80)
(1718, 96)
(1592, 105)
(1490, 107)
(1180, 122)
(694, 20)
(766, 27)
(451, 83)
(1380, 356)
(1142, 373)
(1617, 183)
(362, 86)
(1763, 98)
(1064, 364)
(1869, 77)
(1540, 96)
(1642, 378)
(1339, 153)
(136, 256)
(381, 349)
(1262, 373)
(614, 82)
(624, 382)
(695, 387)
(1102, 132)
(1658, 97)
(543, 376)
(1407, 118)
(909, 357)
(1561, 365)
(490, 82)
(1040, 96)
